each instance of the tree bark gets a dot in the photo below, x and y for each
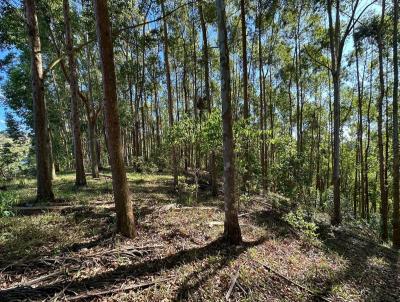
(123, 205)
(382, 166)
(92, 118)
(360, 157)
(44, 185)
(206, 62)
(174, 162)
(334, 41)
(80, 178)
(246, 175)
(262, 113)
(396, 210)
(232, 231)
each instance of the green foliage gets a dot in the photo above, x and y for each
(209, 134)
(7, 200)
(181, 132)
(298, 220)
(13, 157)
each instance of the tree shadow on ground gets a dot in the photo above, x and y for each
(369, 266)
(273, 222)
(133, 272)
(163, 192)
(28, 240)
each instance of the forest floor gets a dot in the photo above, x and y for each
(70, 252)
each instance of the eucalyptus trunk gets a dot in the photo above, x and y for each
(232, 231)
(43, 174)
(123, 204)
(80, 178)
(396, 210)
(174, 162)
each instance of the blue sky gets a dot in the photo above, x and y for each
(3, 75)
(2, 107)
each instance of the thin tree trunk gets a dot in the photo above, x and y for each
(174, 162)
(396, 210)
(366, 168)
(360, 167)
(51, 154)
(80, 178)
(206, 62)
(123, 205)
(232, 231)
(91, 119)
(382, 166)
(246, 175)
(335, 48)
(260, 75)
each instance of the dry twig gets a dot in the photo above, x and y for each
(233, 282)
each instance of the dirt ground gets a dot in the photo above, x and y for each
(71, 252)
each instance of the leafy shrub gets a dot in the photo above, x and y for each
(7, 200)
(298, 220)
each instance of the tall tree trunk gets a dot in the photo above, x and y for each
(142, 93)
(335, 49)
(382, 166)
(260, 75)
(232, 231)
(366, 167)
(206, 62)
(246, 175)
(92, 118)
(396, 210)
(186, 98)
(195, 111)
(174, 162)
(44, 185)
(360, 167)
(80, 178)
(123, 205)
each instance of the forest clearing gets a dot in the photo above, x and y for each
(73, 254)
(179, 150)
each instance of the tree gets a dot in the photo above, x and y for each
(232, 231)
(44, 185)
(123, 205)
(13, 128)
(382, 163)
(206, 62)
(174, 162)
(336, 44)
(396, 164)
(245, 88)
(80, 178)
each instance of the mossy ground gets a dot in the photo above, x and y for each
(179, 245)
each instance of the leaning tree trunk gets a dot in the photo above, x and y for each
(44, 185)
(123, 205)
(169, 91)
(80, 178)
(232, 231)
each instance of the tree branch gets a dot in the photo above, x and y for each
(116, 34)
